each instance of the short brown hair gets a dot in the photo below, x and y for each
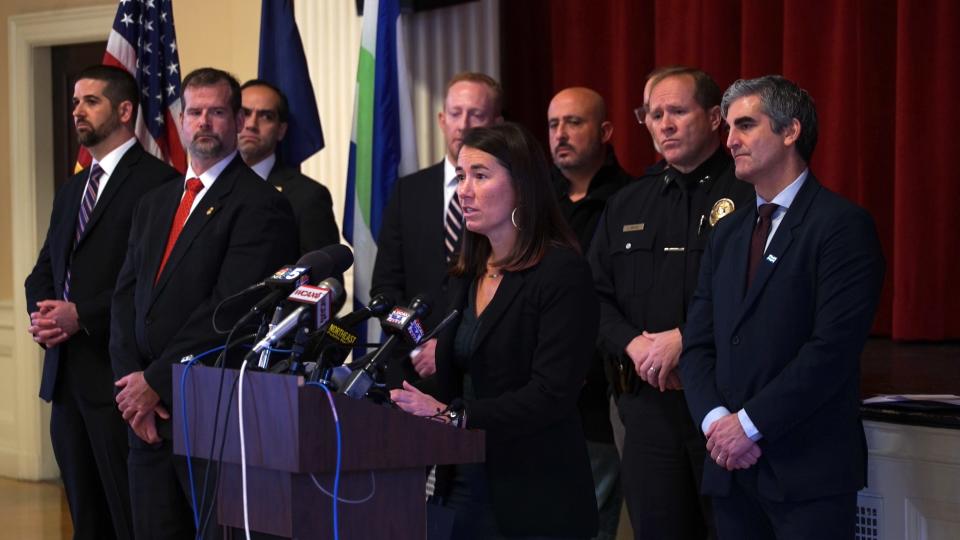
(540, 225)
(208, 76)
(496, 91)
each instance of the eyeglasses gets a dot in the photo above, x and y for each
(641, 114)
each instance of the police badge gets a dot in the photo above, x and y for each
(720, 209)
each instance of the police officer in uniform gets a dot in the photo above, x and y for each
(645, 260)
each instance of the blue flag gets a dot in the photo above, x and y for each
(383, 141)
(284, 65)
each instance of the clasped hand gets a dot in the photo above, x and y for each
(729, 446)
(655, 356)
(140, 405)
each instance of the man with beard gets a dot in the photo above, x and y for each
(68, 295)
(265, 116)
(193, 243)
(645, 260)
(585, 175)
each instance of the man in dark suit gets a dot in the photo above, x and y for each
(193, 243)
(771, 361)
(266, 113)
(70, 289)
(415, 237)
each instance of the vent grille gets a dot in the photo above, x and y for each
(869, 516)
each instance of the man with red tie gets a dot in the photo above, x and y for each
(68, 294)
(192, 244)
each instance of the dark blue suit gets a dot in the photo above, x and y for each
(787, 349)
(88, 434)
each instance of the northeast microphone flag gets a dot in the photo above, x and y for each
(143, 42)
(284, 65)
(382, 142)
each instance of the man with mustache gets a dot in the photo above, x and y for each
(586, 173)
(68, 296)
(422, 223)
(265, 116)
(645, 259)
(194, 243)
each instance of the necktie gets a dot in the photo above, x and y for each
(453, 226)
(193, 186)
(83, 216)
(759, 240)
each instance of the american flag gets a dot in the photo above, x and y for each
(143, 42)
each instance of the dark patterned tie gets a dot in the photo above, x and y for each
(453, 227)
(192, 187)
(758, 242)
(83, 216)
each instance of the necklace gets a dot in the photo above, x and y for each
(494, 275)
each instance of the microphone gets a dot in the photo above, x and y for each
(339, 329)
(400, 323)
(317, 303)
(287, 278)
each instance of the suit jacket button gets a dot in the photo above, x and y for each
(735, 340)
(148, 321)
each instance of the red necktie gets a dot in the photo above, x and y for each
(194, 186)
(758, 242)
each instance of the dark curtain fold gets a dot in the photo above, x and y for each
(882, 72)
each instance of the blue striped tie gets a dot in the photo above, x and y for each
(86, 208)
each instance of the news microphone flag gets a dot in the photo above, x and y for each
(382, 142)
(284, 65)
(142, 41)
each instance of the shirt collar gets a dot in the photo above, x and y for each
(265, 165)
(110, 161)
(449, 173)
(785, 198)
(211, 174)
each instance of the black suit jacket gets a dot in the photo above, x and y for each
(94, 266)
(531, 354)
(240, 232)
(312, 207)
(787, 349)
(410, 255)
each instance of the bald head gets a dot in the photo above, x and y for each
(579, 130)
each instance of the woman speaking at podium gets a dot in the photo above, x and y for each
(515, 363)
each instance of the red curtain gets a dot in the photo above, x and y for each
(883, 74)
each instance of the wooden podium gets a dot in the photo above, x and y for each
(290, 435)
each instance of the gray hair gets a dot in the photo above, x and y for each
(782, 100)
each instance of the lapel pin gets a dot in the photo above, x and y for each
(279, 188)
(772, 258)
(210, 211)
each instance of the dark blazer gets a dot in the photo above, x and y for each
(410, 255)
(532, 352)
(787, 349)
(95, 265)
(240, 232)
(312, 207)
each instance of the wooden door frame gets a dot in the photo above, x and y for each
(28, 455)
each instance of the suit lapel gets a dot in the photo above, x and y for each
(63, 245)
(506, 293)
(205, 211)
(780, 245)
